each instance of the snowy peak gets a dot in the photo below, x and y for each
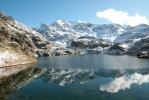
(62, 22)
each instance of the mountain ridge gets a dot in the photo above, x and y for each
(112, 32)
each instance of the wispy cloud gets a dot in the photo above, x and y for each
(122, 17)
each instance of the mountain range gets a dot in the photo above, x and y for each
(63, 31)
(21, 44)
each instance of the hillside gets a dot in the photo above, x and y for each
(19, 44)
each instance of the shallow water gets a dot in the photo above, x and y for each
(86, 77)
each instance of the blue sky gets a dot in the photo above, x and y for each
(35, 12)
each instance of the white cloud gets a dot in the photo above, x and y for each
(122, 17)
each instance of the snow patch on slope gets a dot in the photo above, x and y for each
(7, 56)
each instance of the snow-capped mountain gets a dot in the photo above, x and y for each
(63, 32)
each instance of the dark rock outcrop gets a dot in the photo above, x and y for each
(116, 49)
(140, 49)
(88, 42)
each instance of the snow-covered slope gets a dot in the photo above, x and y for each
(109, 31)
(134, 34)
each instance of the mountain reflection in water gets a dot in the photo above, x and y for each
(20, 78)
(83, 77)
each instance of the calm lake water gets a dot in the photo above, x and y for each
(87, 77)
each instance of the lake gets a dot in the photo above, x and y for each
(86, 77)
